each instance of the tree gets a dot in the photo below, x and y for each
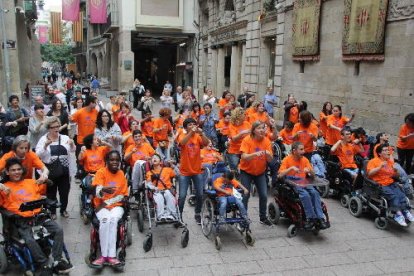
(57, 53)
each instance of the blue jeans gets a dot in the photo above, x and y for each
(205, 173)
(233, 160)
(395, 196)
(184, 183)
(260, 182)
(223, 205)
(311, 202)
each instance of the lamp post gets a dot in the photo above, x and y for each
(6, 63)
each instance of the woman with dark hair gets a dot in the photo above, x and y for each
(256, 151)
(57, 110)
(124, 117)
(291, 110)
(37, 124)
(147, 125)
(196, 111)
(16, 118)
(108, 131)
(224, 103)
(162, 127)
(336, 122)
(405, 143)
(306, 132)
(323, 116)
(92, 155)
(208, 122)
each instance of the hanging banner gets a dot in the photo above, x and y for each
(56, 27)
(70, 10)
(77, 29)
(43, 34)
(97, 11)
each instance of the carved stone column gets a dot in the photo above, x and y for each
(213, 72)
(235, 69)
(220, 70)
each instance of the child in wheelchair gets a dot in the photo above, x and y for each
(381, 170)
(17, 190)
(158, 179)
(227, 194)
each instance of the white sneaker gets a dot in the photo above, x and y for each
(400, 220)
(408, 215)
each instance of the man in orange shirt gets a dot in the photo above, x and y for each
(381, 170)
(296, 167)
(139, 150)
(190, 142)
(17, 190)
(346, 149)
(209, 157)
(336, 122)
(306, 132)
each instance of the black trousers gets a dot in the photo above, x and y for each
(137, 98)
(61, 184)
(405, 156)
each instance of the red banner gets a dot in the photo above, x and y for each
(70, 10)
(43, 34)
(97, 11)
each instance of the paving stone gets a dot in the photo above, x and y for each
(283, 264)
(237, 269)
(328, 260)
(356, 269)
(394, 266)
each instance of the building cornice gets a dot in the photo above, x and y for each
(236, 26)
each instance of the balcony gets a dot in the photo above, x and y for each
(112, 21)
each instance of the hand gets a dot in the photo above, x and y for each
(83, 149)
(41, 179)
(245, 191)
(383, 164)
(71, 143)
(357, 141)
(294, 168)
(108, 190)
(4, 188)
(134, 150)
(307, 170)
(48, 142)
(260, 153)
(244, 132)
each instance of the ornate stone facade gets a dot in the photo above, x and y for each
(400, 9)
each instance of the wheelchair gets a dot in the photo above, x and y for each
(124, 238)
(287, 205)
(13, 250)
(85, 199)
(370, 200)
(210, 218)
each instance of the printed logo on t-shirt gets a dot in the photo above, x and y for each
(193, 150)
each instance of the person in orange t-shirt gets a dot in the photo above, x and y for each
(147, 126)
(224, 186)
(336, 122)
(92, 155)
(209, 157)
(17, 190)
(127, 138)
(381, 170)
(346, 149)
(297, 168)
(30, 160)
(111, 189)
(259, 114)
(405, 143)
(306, 132)
(159, 179)
(190, 142)
(116, 108)
(239, 128)
(223, 131)
(323, 116)
(287, 133)
(256, 152)
(196, 111)
(139, 150)
(224, 104)
(162, 127)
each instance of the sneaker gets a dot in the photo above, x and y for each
(62, 267)
(197, 218)
(46, 271)
(266, 222)
(113, 261)
(408, 215)
(65, 214)
(400, 220)
(98, 263)
(323, 224)
(308, 225)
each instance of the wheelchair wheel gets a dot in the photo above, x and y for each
(381, 223)
(274, 212)
(217, 243)
(249, 239)
(3, 260)
(185, 236)
(323, 190)
(207, 217)
(147, 244)
(344, 201)
(292, 231)
(191, 200)
(355, 206)
(129, 231)
(140, 220)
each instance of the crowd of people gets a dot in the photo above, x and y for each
(238, 131)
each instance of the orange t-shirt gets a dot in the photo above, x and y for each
(190, 157)
(129, 141)
(333, 135)
(30, 161)
(93, 160)
(287, 136)
(224, 127)
(294, 115)
(209, 156)
(256, 116)
(409, 143)
(301, 164)
(86, 121)
(143, 152)
(116, 111)
(167, 174)
(23, 191)
(304, 137)
(196, 116)
(258, 164)
(228, 187)
(222, 103)
(234, 146)
(179, 122)
(106, 178)
(346, 155)
(162, 134)
(323, 124)
(384, 175)
(147, 128)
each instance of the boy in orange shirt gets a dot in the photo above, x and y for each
(224, 186)
(162, 127)
(346, 149)
(381, 170)
(223, 131)
(297, 167)
(209, 157)
(138, 151)
(147, 126)
(287, 134)
(306, 132)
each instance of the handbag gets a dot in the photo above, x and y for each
(56, 168)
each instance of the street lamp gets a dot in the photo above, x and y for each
(5, 49)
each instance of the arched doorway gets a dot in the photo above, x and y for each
(94, 64)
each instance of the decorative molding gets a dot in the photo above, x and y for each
(236, 26)
(400, 10)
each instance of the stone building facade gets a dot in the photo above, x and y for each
(244, 45)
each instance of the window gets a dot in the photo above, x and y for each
(229, 5)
